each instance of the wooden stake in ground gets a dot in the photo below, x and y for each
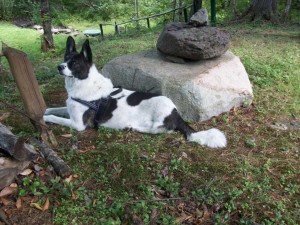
(29, 89)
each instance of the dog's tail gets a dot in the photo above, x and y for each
(212, 138)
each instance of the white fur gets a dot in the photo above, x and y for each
(212, 138)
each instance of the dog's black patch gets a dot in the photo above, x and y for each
(136, 97)
(89, 115)
(80, 69)
(175, 122)
(88, 118)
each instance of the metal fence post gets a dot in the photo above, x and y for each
(101, 30)
(213, 12)
(185, 15)
(148, 22)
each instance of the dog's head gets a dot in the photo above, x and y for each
(76, 64)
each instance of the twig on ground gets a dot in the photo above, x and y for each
(60, 167)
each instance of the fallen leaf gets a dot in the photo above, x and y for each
(36, 205)
(74, 197)
(43, 173)
(19, 203)
(46, 205)
(4, 116)
(26, 172)
(183, 217)
(66, 135)
(199, 213)
(69, 179)
(205, 217)
(7, 191)
(5, 201)
(13, 185)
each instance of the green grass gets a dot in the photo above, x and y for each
(127, 177)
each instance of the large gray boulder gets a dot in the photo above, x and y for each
(200, 90)
(195, 43)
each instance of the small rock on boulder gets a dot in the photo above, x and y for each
(200, 18)
(194, 43)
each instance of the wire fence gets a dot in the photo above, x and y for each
(147, 18)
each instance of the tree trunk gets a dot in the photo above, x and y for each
(228, 2)
(180, 16)
(266, 9)
(235, 11)
(174, 7)
(287, 9)
(136, 6)
(47, 40)
(197, 4)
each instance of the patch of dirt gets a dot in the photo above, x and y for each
(26, 214)
(28, 210)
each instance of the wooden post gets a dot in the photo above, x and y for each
(136, 6)
(116, 28)
(101, 30)
(31, 95)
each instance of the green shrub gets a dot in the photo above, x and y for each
(6, 9)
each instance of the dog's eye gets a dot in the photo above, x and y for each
(73, 63)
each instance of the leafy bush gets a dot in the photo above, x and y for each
(6, 9)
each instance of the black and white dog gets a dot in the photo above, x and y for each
(93, 100)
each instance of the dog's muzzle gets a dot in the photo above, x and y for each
(61, 68)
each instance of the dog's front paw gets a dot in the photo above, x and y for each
(48, 118)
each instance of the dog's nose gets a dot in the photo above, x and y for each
(61, 67)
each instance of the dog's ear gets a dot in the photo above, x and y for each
(70, 46)
(87, 52)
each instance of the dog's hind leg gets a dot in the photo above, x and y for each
(60, 111)
(212, 138)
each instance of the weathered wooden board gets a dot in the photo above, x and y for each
(27, 84)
